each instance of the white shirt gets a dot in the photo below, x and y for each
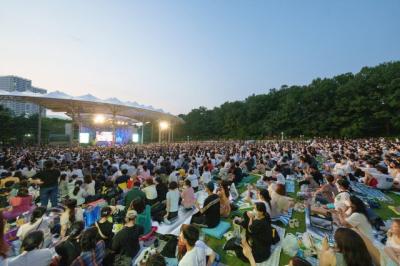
(197, 255)
(206, 177)
(360, 222)
(173, 199)
(150, 191)
(173, 177)
(194, 181)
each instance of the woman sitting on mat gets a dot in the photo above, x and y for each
(225, 204)
(209, 215)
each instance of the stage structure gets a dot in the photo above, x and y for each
(109, 121)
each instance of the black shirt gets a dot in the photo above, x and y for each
(49, 177)
(126, 241)
(212, 214)
(106, 230)
(68, 250)
(162, 190)
(260, 232)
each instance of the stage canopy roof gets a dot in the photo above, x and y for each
(88, 104)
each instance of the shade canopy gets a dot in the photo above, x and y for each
(89, 104)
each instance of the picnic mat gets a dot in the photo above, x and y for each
(368, 192)
(184, 217)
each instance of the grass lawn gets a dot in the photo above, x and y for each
(384, 212)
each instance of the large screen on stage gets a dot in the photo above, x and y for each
(135, 137)
(84, 138)
(104, 136)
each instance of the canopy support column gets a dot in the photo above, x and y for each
(39, 135)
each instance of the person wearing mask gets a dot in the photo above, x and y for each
(69, 249)
(4, 248)
(92, 251)
(37, 222)
(209, 215)
(350, 249)
(32, 252)
(126, 242)
(172, 202)
(188, 197)
(134, 193)
(196, 251)
(48, 181)
(71, 215)
(355, 216)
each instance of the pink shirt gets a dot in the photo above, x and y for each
(188, 198)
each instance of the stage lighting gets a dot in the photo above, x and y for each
(164, 125)
(99, 119)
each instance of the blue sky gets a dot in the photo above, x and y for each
(178, 55)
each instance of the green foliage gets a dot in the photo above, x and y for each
(348, 105)
(23, 130)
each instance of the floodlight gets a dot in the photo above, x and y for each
(99, 119)
(164, 125)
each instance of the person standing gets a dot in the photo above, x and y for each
(48, 181)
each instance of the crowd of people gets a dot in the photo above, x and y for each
(144, 184)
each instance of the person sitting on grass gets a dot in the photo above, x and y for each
(209, 215)
(126, 242)
(356, 216)
(350, 249)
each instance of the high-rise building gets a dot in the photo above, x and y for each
(14, 83)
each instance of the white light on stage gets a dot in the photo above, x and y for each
(99, 119)
(84, 138)
(104, 136)
(135, 137)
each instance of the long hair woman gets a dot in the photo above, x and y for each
(350, 250)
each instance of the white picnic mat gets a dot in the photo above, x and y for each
(184, 217)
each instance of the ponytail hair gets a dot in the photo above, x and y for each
(260, 206)
(71, 205)
(265, 195)
(77, 187)
(37, 214)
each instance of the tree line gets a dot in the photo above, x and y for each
(365, 104)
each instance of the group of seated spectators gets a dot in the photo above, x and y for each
(157, 183)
